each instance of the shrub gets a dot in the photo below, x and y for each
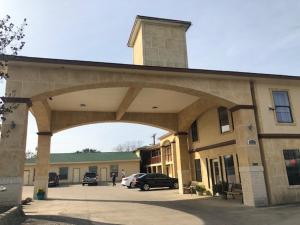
(200, 188)
(40, 191)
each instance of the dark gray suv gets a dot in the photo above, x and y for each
(90, 178)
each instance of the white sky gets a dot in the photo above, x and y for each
(254, 36)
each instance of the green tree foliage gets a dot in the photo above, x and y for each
(11, 42)
(88, 150)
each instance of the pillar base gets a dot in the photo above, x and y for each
(40, 183)
(184, 178)
(12, 196)
(253, 184)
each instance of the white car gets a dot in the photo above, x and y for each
(128, 181)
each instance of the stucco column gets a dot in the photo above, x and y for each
(183, 161)
(174, 159)
(250, 162)
(12, 154)
(42, 163)
(163, 159)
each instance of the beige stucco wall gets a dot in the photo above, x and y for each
(280, 190)
(138, 49)
(264, 99)
(209, 132)
(129, 167)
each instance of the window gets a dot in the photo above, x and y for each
(224, 119)
(114, 169)
(63, 173)
(93, 169)
(155, 156)
(282, 107)
(292, 163)
(155, 153)
(168, 153)
(198, 170)
(229, 168)
(194, 131)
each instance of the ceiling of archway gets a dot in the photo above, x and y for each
(109, 100)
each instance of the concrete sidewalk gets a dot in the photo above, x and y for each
(118, 205)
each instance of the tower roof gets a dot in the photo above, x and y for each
(140, 18)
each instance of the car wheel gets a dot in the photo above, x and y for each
(175, 185)
(132, 185)
(146, 187)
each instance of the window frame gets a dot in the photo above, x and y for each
(199, 179)
(194, 131)
(66, 177)
(290, 107)
(89, 169)
(226, 168)
(229, 118)
(286, 171)
(111, 171)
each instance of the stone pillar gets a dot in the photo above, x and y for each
(174, 159)
(42, 163)
(12, 152)
(163, 159)
(183, 161)
(250, 162)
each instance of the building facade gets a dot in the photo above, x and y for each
(245, 126)
(71, 167)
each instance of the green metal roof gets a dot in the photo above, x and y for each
(89, 157)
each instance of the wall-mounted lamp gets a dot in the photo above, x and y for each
(271, 108)
(13, 125)
(2, 188)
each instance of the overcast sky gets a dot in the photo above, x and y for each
(254, 36)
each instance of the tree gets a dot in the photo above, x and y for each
(88, 150)
(30, 155)
(10, 44)
(128, 146)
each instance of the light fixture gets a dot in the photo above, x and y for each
(154, 107)
(82, 105)
(271, 108)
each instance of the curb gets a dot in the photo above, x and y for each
(15, 215)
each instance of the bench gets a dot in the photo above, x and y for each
(233, 191)
(190, 188)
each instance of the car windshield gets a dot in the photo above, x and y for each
(141, 175)
(90, 175)
(138, 174)
(52, 175)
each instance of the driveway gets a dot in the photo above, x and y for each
(105, 205)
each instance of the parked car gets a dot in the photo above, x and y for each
(130, 180)
(90, 178)
(53, 179)
(150, 180)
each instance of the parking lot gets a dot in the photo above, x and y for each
(103, 205)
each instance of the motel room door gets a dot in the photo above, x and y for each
(26, 177)
(216, 175)
(103, 174)
(76, 175)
